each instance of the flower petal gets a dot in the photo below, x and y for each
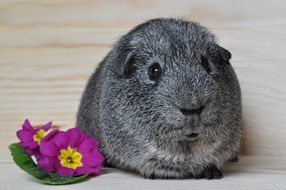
(93, 141)
(25, 136)
(49, 149)
(29, 151)
(74, 137)
(63, 171)
(50, 135)
(92, 159)
(87, 145)
(27, 125)
(61, 140)
(32, 151)
(83, 170)
(56, 162)
(29, 144)
(45, 164)
(47, 126)
(96, 171)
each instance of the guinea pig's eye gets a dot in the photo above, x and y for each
(205, 64)
(154, 71)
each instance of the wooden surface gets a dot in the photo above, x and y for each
(48, 49)
(251, 173)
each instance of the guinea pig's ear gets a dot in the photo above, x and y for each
(224, 54)
(128, 66)
(205, 64)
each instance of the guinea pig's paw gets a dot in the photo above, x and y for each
(162, 173)
(155, 176)
(155, 169)
(210, 172)
(233, 159)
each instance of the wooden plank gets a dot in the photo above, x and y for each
(48, 49)
(261, 173)
(107, 13)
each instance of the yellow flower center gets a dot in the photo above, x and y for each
(39, 136)
(70, 158)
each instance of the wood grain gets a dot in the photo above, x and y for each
(252, 172)
(48, 49)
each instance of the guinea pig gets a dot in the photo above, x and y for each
(165, 102)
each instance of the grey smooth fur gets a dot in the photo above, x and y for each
(165, 102)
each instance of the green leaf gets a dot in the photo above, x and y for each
(26, 163)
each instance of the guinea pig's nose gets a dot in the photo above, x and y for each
(197, 111)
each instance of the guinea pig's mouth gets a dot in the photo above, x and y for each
(192, 136)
